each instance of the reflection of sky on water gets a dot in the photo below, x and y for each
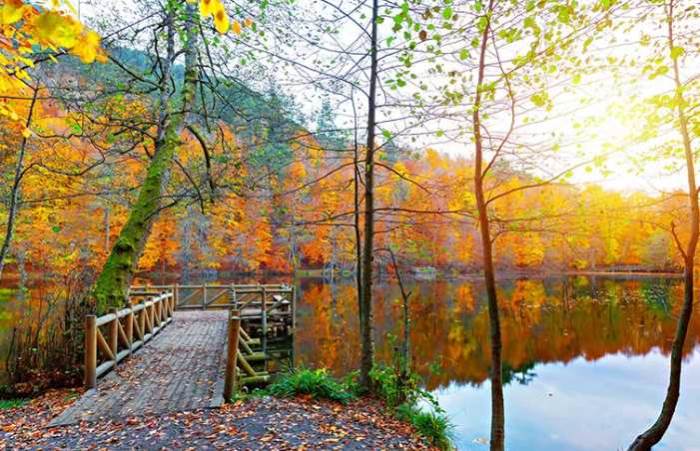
(599, 405)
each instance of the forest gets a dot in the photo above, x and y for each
(470, 206)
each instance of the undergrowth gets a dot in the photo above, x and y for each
(317, 383)
(403, 396)
(12, 403)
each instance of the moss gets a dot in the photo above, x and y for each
(113, 283)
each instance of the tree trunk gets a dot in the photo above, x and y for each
(367, 252)
(655, 433)
(14, 193)
(113, 282)
(497, 409)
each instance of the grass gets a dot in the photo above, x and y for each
(433, 426)
(12, 403)
(317, 383)
(403, 398)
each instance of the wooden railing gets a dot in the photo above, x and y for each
(221, 296)
(111, 338)
(239, 356)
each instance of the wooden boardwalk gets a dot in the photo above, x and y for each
(180, 369)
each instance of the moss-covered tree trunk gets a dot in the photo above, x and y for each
(113, 283)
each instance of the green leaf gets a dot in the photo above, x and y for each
(677, 52)
(481, 23)
(463, 54)
(539, 99)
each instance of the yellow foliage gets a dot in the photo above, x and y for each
(221, 21)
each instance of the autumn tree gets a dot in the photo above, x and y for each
(181, 22)
(32, 34)
(673, 107)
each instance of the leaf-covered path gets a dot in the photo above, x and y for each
(180, 369)
(265, 423)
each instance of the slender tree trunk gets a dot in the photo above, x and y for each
(16, 188)
(497, 409)
(367, 251)
(113, 283)
(655, 433)
(356, 212)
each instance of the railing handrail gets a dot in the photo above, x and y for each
(146, 318)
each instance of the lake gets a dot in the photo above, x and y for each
(585, 357)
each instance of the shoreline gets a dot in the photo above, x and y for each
(10, 279)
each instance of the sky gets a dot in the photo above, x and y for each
(622, 173)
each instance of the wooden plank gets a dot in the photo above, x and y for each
(114, 333)
(219, 295)
(243, 363)
(123, 335)
(130, 328)
(102, 369)
(104, 319)
(103, 346)
(184, 301)
(123, 354)
(256, 380)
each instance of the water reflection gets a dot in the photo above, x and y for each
(577, 353)
(585, 359)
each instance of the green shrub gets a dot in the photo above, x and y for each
(434, 426)
(404, 394)
(317, 383)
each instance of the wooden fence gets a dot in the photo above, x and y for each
(273, 306)
(220, 296)
(240, 356)
(121, 332)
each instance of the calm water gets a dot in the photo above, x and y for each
(586, 358)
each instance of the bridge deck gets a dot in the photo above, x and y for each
(178, 370)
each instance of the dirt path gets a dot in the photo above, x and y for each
(265, 423)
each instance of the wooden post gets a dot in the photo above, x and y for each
(264, 312)
(130, 329)
(294, 309)
(142, 323)
(114, 334)
(204, 296)
(176, 290)
(90, 351)
(234, 325)
(264, 323)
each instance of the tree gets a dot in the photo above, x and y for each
(113, 283)
(26, 25)
(677, 104)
